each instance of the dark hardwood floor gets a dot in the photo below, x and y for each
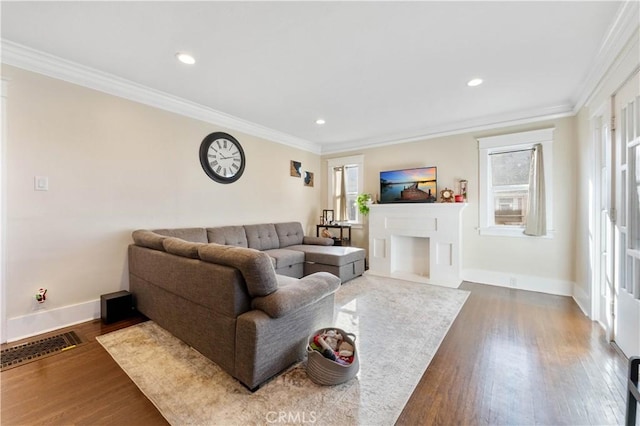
(512, 357)
(515, 357)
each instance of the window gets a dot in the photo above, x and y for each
(505, 169)
(510, 186)
(345, 191)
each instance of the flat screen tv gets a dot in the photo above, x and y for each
(408, 185)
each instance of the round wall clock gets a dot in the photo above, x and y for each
(446, 195)
(222, 157)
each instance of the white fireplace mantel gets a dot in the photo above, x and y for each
(416, 242)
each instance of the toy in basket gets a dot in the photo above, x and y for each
(332, 357)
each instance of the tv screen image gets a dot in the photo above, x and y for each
(416, 185)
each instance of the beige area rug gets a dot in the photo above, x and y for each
(399, 326)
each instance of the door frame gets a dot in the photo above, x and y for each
(602, 225)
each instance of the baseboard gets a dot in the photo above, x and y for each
(46, 320)
(583, 300)
(520, 281)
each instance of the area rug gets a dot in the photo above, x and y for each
(399, 326)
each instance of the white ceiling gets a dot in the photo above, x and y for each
(377, 72)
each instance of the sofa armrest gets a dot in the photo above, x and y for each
(317, 241)
(295, 296)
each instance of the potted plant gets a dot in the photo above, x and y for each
(363, 201)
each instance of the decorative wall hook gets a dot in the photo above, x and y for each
(41, 295)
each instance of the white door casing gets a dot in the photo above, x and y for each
(627, 229)
(602, 224)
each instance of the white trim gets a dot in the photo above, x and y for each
(469, 126)
(51, 319)
(583, 300)
(515, 139)
(620, 32)
(29, 59)
(511, 231)
(3, 214)
(24, 57)
(523, 282)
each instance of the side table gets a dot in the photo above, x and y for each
(342, 240)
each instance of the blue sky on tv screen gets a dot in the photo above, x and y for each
(409, 175)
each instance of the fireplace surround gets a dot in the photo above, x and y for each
(416, 242)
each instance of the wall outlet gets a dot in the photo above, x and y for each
(40, 298)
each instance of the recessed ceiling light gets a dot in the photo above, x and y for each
(320, 121)
(185, 58)
(474, 82)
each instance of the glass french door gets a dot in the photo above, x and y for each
(627, 226)
(602, 237)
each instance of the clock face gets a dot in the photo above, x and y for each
(447, 195)
(222, 157)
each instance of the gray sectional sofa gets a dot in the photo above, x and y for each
(292, 253)
(247, 297)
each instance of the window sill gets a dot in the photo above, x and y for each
(510, 231)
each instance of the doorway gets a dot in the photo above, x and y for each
(626, 259)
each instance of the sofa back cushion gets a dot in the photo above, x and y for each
(195, 235)
(216, 287)
(289, 233)
(181, 247)
(255, 266)
(148, 239)
(228, 236)
(262, 236)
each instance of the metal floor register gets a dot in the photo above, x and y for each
(22, 354)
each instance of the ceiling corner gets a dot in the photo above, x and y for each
(624, 25)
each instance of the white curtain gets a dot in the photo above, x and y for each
(537, 215)
(341, 191)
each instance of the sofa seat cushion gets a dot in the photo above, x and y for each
(255, 266)
(195, 235)
(291, 296)
(332, 255)
(228, 236)
(285, 257)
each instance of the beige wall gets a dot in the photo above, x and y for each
(497, 258)
(114, 166)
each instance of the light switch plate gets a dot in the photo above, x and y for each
(41, 183)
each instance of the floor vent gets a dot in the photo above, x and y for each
(22, 354)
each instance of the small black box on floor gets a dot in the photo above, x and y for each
(116, 306)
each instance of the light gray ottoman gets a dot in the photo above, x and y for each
(344, 262)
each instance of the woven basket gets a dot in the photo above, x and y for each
(323, 371)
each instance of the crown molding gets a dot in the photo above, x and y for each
(24, 57)
(457, 128)
(614, 50)
(622, 29)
